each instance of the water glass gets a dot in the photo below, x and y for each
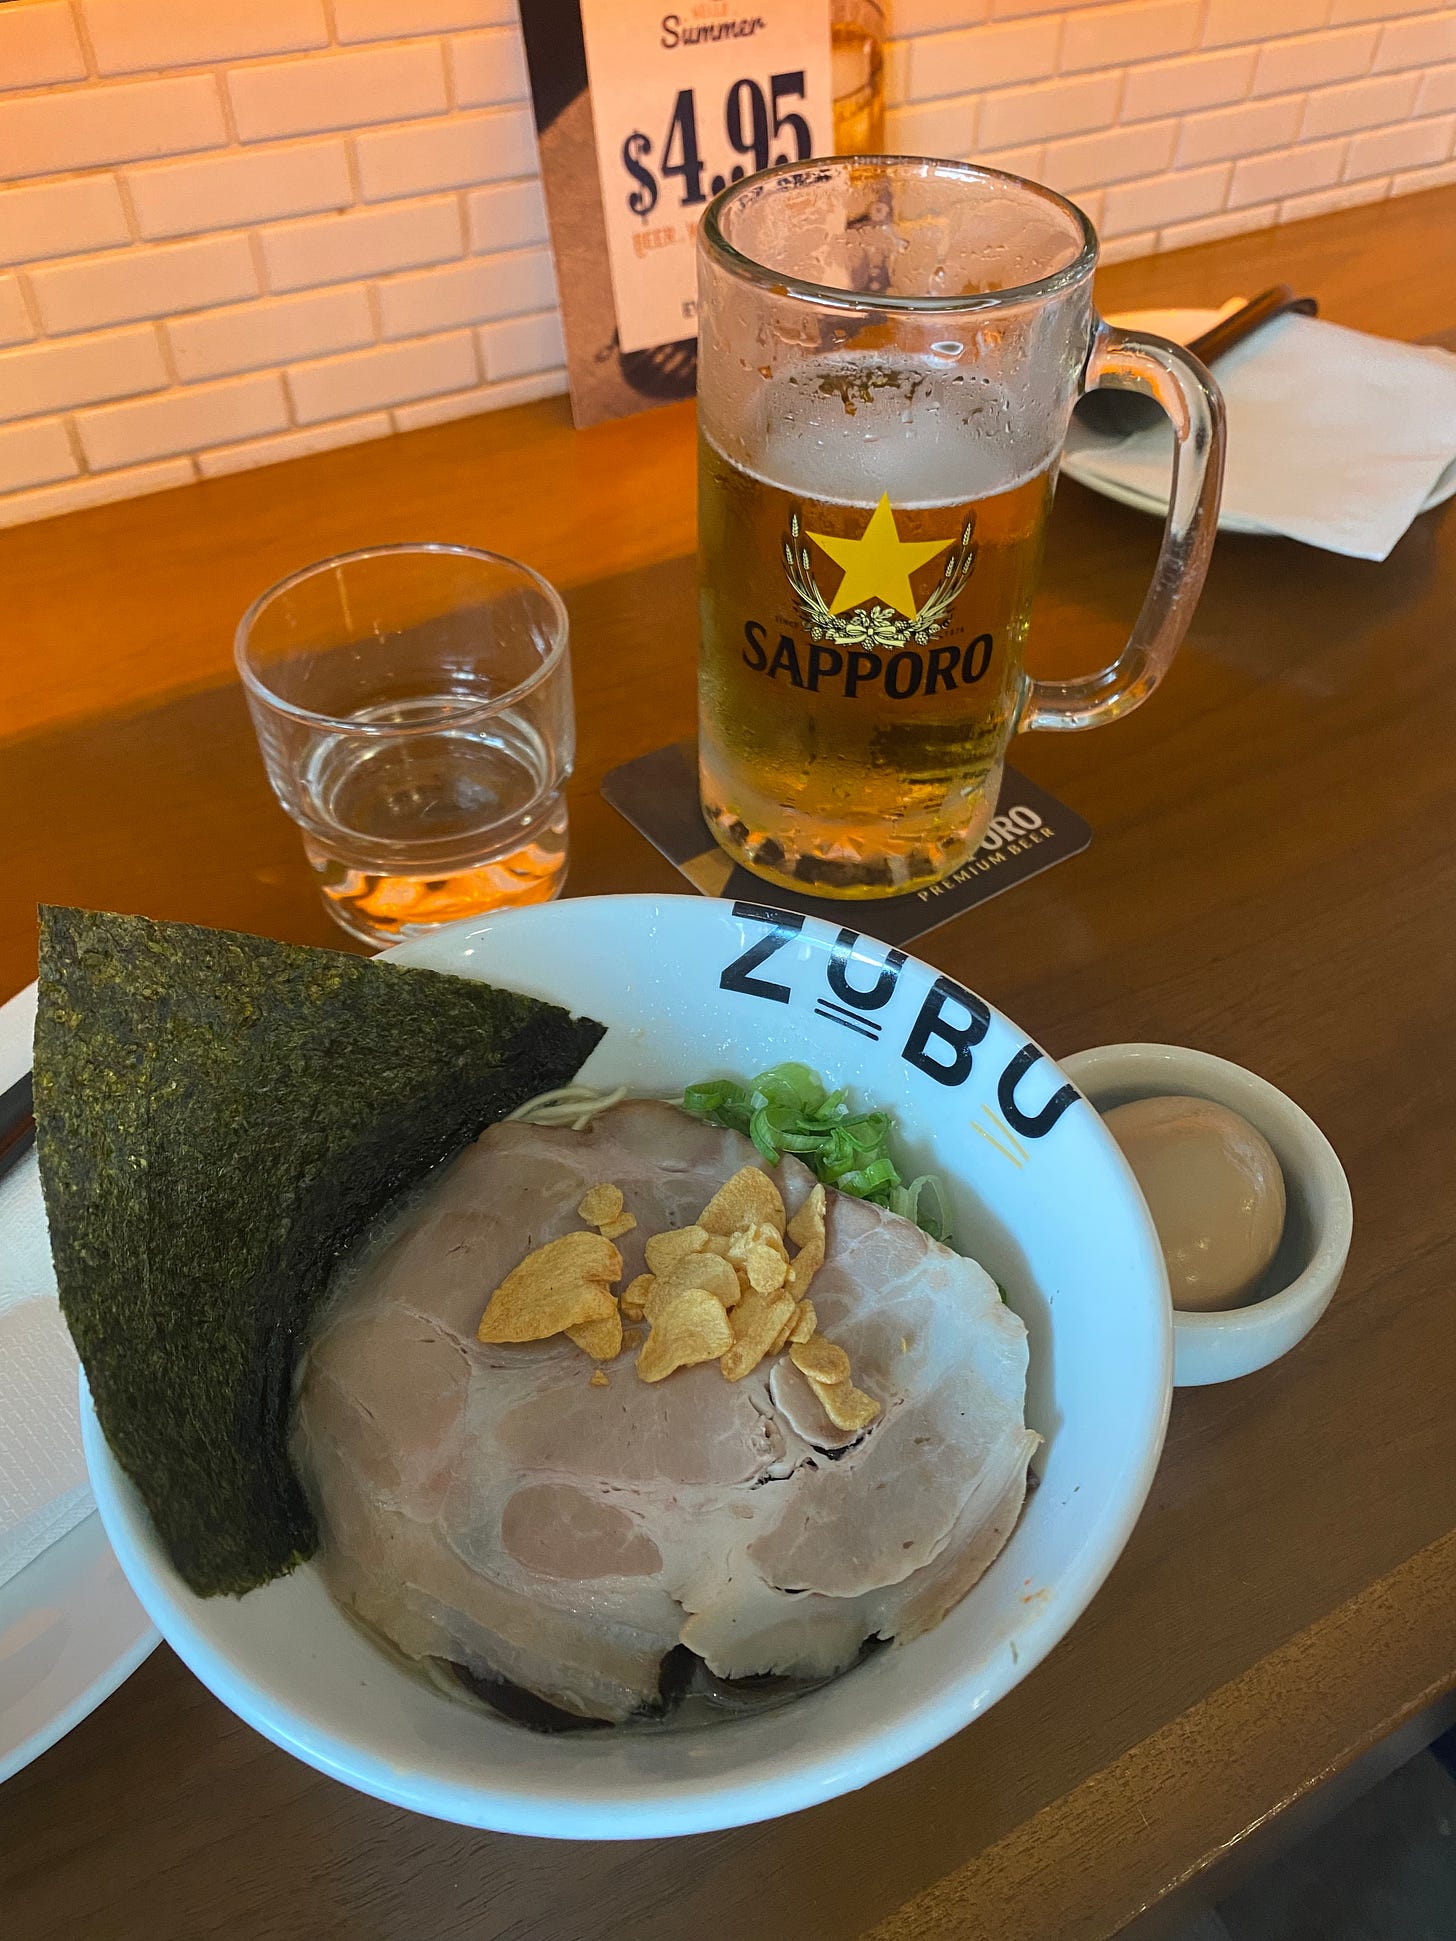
(413, 706)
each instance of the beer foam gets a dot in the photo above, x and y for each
(928, 434)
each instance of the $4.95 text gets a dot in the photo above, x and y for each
(752, 122)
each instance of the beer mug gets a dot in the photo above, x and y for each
(889, 350)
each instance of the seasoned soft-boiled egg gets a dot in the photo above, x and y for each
(1215, 1191)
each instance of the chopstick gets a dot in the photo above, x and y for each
(1251, 316)
(17, 1124)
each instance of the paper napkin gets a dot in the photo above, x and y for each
(1334, 438)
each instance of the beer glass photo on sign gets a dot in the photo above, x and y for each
(889, 353)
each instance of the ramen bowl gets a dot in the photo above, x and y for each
(1038, 1192)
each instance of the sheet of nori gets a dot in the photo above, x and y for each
(218, 1116)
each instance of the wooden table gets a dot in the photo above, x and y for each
(1272, 877)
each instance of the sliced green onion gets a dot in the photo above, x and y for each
(906, 1200)
(787, 1109)
(879, 1174)
(792, 1085)
(762, 1131)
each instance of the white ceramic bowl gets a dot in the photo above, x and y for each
(690, 988)
(1306, 1270)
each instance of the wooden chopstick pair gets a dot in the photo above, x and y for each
(17, 1123)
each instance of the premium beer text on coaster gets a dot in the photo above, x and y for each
(1031, 830)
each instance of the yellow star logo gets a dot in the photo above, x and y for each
(878, 565)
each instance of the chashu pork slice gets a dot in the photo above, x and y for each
(487, 1507)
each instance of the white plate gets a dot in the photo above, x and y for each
(70, 1632)
(70, 1628)
(1183, 326)
(688, 987)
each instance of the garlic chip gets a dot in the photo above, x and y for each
(561, 1285)
(688, 1327)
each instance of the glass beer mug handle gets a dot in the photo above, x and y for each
(1128, 361)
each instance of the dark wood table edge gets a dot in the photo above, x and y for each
(1386, 1656)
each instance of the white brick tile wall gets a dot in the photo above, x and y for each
(489, 68)
(334, 249)
(46, 134)
(1138, 31)
(481, 397)
(37, 453)
(1212, 229)
(80, 370)
(59, 218)
(1115, 155)
(944, 128)
(523, 345)
(1070, 107)
(15, 324)
(1287, 172)
(1092, 203)
(1314, 60)
(1417, 43)
(1134, 206)
(1346, 195)
(897, 72)
(275, 331)
(1246, 130)
(338, 91)
(394, 19)
(1438, 90)
(1426, 178)
(237, 231)
(1015, 161)
(984, 57)
(1192, 81)
(335, 387)
(252, 452)
(936, 16)
(18, 508)
(182, 421)
(1380, 9)
(90, 291)
(1119, 249)
(506, 216)
(183, 33)
(1396, 148)
(39, 45)
(241, 187)
(449, 154)
(475, 292)
(1254, 20)
(1372, 103)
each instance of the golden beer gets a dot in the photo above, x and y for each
(865, 597)
(857, 62)
(889, 350)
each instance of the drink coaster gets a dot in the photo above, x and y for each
(658, 795)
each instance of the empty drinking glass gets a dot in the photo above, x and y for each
(413, 706)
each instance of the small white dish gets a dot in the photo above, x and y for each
(1306, 1270)
(1182, 326)
(1038, 1191)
